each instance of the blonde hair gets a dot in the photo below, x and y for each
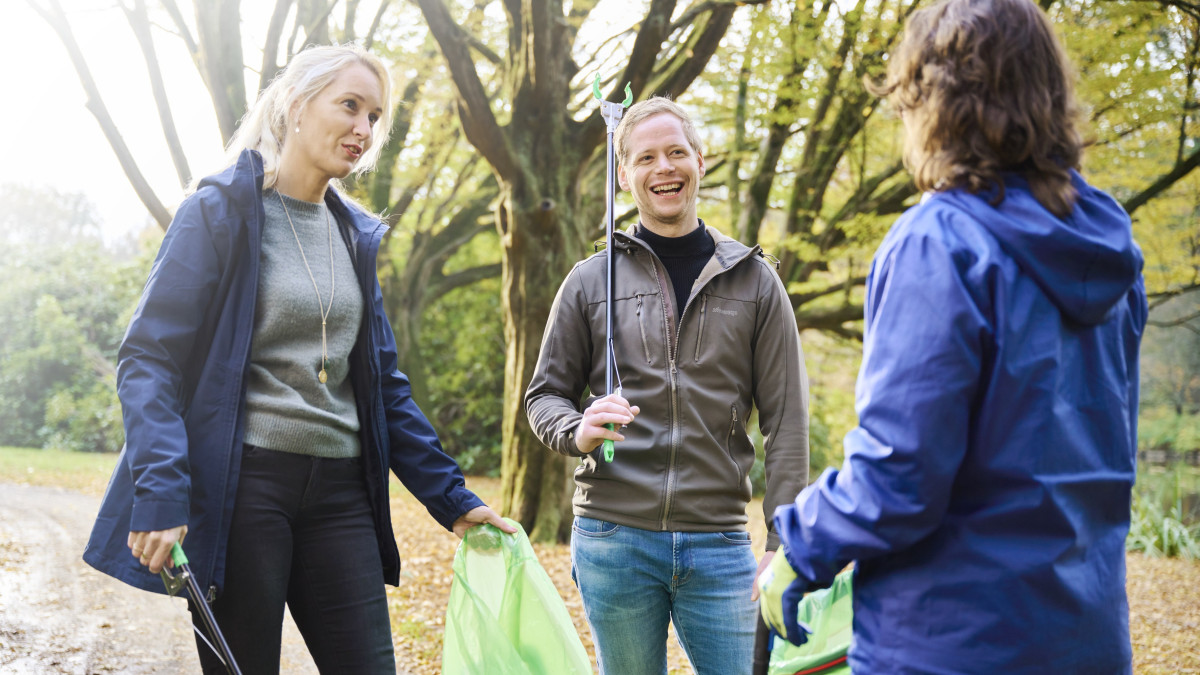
(987, 88)
(264, 128)
(640, 111)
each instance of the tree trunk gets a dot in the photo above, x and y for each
(535, 481)
(218, 31)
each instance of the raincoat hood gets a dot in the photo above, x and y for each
(1085, 263)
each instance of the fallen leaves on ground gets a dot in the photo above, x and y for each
(1164, 594)
(1164, 614)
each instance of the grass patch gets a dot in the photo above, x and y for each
(1166, 513)
(84, 472)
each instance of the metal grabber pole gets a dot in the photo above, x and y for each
(182, 578)
(611, 112)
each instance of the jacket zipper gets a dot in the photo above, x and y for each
(672, 352)
(700, 333)
(642, 327)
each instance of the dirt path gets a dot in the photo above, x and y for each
(58, 615)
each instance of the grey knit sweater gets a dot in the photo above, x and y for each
(287, 408)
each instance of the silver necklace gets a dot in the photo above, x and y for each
(322, 376)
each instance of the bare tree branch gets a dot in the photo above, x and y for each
(1175, 322)
(689, 61)
(1161, 297)
(800, 299)
(270, 64)
(1163, 183)
(139, 21)
(95, 104)
(348, 24)
(218, 27)
(832, 320)
(474, 105)
(184, 32)
(805, 27)
(465, 277)
(646, 47)
(689, 15)
(369, 38)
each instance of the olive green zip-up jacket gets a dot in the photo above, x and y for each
(684, 464)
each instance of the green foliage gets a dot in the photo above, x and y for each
(67, 298)
(85, 418)
(1170, 362)
(1161, 534)
(1161, 428)
(1138, 64)
(1165, 518)
(464, 351)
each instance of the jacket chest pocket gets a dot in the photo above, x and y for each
(637, 331)
(723, 328)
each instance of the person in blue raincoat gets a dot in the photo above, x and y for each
(262, 403)
(985, 494)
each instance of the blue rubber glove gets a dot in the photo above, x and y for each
(779, 595)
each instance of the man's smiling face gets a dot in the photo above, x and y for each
(662, 170)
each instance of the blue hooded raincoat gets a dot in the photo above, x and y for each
(181, 377)
(985, 493)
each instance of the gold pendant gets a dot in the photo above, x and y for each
(322, 376)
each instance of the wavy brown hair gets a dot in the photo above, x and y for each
(985, 87)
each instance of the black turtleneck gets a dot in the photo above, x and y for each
(683, 257)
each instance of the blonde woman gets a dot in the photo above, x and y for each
(262, 404)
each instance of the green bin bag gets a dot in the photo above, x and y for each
(505, 616)
(829, 613)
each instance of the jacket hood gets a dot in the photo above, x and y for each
(1085, 263)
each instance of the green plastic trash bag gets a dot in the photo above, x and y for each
(829, 613)
(505, 616)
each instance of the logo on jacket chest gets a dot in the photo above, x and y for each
(726, 312)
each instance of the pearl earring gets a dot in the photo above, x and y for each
(297, 128)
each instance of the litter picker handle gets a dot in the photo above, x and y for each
(177, 555)
(609, 446)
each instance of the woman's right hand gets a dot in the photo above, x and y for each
(612, 409)
(152, 549)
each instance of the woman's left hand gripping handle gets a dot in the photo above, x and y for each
(153, 549)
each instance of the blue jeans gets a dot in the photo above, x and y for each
(634, 581)
(303, 534)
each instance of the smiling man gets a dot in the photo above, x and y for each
(703, 334)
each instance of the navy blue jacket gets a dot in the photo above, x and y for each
(181, 378)
(985, 493)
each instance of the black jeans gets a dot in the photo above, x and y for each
(302, 533)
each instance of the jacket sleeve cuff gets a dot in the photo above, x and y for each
(567, 444)
(153, 515)
(465, 500)
(772, 539)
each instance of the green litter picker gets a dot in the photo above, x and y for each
(612, 113)
(182, 579)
